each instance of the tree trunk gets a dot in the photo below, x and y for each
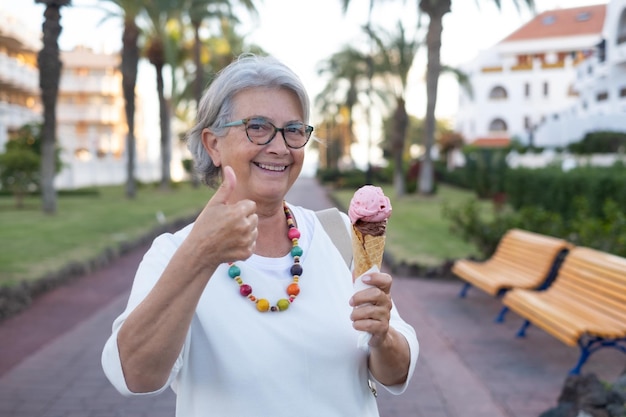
(130, 62)
(49, 74)
(435, 11)
(400, 125)
(166, 146)
(198, 87)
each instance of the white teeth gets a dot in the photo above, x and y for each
(273, 167)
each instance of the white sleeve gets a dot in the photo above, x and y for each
(148, 273)
(408, 332)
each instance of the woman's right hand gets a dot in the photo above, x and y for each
(224, 232)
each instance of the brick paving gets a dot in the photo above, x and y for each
(468, 366)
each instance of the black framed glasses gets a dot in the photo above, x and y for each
(261, 131)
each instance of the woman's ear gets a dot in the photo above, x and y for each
(210, 142)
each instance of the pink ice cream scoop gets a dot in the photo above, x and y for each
(369, 204)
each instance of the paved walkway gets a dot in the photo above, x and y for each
(468, 366)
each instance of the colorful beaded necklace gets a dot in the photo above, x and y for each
(293, 289)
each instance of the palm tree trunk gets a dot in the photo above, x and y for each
(435, 11)
(166, 149)
(400, 123)
(198, 86)
(130, 62)
(49, 74)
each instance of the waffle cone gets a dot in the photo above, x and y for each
(367, 251)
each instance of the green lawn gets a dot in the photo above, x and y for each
(417, 233)
(33, 243)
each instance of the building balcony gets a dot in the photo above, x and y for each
(17, 76)
(13, 116)
(104, 114)
(110, 86)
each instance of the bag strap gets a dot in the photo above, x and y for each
(336, 228)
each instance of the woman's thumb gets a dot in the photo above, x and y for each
(229, 181)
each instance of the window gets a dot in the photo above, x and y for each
(81, 72)
(548, 20)
(81, 129)
(546, 89)
(622, 92)
(601, 50)
(498, 93)
(497, 125)
(602, 96)
(621, 28)
(526, 122)
(527, 90)
(583, 16)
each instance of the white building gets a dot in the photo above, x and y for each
(91, 123)
(530, 77)
(600, 82)
(19, 77)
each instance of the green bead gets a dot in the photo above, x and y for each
(296, 251)
(234, 271)
(282, 304)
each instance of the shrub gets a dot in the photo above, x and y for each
(606, 233)
(599, 142)
(19, 171)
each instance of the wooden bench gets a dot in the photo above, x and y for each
(584, 306)
(522, 259)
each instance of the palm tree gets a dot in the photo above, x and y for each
(159, 13)
(129, 10)
(349, 71)
(435, 10)
(199, 11)
(49, 64)
(397, 54)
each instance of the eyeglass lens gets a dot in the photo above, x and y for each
(261, 131)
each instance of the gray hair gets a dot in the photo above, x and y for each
(216, 106)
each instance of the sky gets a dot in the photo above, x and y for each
(304, 33)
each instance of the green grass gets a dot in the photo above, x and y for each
(417, 232)
(34, 243)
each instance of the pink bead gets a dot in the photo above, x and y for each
(245, 290)
(293, 233)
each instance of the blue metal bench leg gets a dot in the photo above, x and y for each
(584, 355)
(591, 345)
(464, 290)
(500, 318)
(522, 331)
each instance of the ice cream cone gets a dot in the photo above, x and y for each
(367, 251)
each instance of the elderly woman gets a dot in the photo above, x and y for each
(250, 310)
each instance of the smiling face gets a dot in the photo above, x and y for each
(264, 172)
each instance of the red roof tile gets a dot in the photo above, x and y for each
(587, 20)
(496, 142)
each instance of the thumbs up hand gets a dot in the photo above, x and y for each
(225, 231)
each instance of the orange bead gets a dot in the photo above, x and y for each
(293, 289)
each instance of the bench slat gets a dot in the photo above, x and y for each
(522, 259)
(587, 298)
